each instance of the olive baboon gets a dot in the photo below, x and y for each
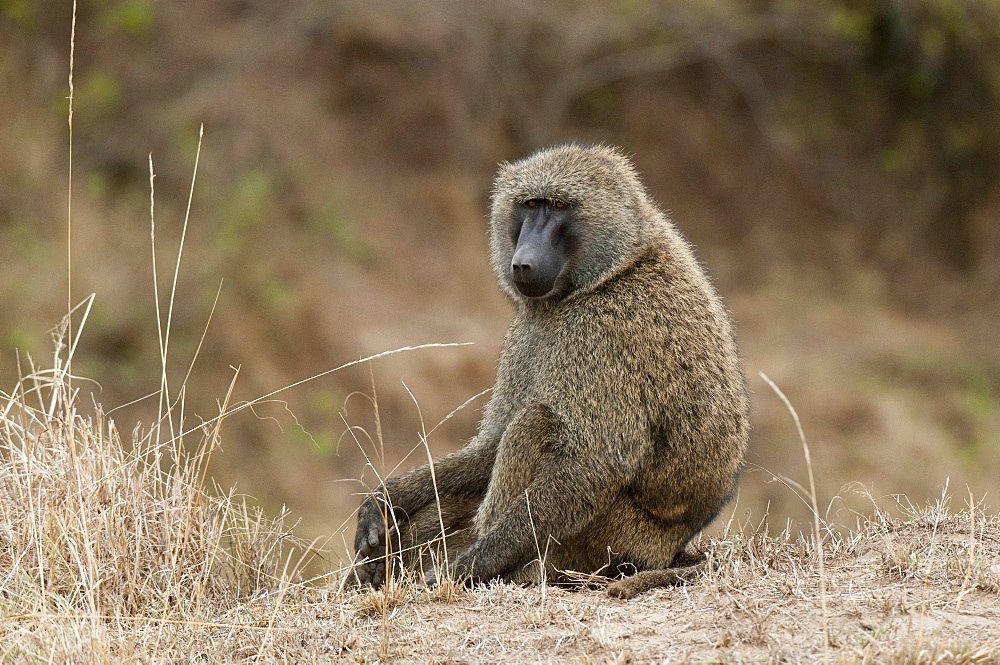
(619, 420)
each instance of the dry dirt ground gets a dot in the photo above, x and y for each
(919, 588)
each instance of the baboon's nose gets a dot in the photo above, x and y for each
(523, 263)
(531, 276)
(537, 260)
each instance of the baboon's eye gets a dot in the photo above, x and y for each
(531, 203)
(559, 204)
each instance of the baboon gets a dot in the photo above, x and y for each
(619, 419)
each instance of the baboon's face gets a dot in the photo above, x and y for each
(562, 220)
(542, 234)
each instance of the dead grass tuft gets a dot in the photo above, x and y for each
(100, 538)
(380, 603)
(947, 653)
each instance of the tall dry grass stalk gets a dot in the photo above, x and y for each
(69, 184)
(813, 505)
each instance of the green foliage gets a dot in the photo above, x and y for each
(323, 445)
(276, 294)
(22, 340)
(322, 404)
(980, 405)
(966, 398)
(243, 209)
(24, 239)
(332, 222)
(894, 158)
(918, 83)
(186, 138)
(325, 401)
(599, 105)
(980, 390)
(96, 97)
(128, 17)
(23, 12)
(99, 92)
(329, 218)
(98, 185)
(851, 25)
(132, 17)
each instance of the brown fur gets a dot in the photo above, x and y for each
(619, 419)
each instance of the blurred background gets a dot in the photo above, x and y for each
(836, 163)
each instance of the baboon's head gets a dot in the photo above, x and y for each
(564, 219)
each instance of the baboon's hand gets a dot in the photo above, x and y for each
(371, 571)
(369, 542)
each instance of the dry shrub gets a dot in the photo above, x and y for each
(102, 536)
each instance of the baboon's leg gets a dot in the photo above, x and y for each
(624, 538)
(629, 533)
(656, 550)
(420, 544)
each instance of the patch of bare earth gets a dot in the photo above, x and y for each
(920, 586)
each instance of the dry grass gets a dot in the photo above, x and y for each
(116, 551)
(112, 549)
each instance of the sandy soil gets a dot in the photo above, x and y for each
(921, 588)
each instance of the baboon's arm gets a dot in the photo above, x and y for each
(465, 472)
